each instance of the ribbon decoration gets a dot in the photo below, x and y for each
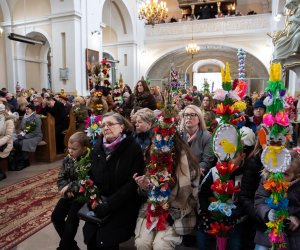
(273, 151)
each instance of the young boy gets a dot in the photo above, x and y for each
(64, 216)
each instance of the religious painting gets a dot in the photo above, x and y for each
(92, 59)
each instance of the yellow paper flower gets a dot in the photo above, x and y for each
(240, 105)
(275, 72)
(227, 73)
(222, 74)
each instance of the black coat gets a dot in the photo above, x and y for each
(59, 113)
(113, 177)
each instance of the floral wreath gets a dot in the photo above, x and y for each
(161, 173)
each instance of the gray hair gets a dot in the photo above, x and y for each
(120, 119)
(146, 114)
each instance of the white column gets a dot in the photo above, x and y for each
(294, 78)
(10, 66)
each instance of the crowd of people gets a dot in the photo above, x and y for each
(135, 136)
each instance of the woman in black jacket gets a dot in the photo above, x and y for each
(250, 182)
(115, 158)
(142, 96)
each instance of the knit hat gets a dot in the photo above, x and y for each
(248, 136)
(31, 106)
(259, 104)
(126, 94)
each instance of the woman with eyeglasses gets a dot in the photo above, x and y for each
(142, 96)
(197, 136)
(115, 158)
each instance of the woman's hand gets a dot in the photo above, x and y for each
(294, 223)
(142, 181)
(64, 189)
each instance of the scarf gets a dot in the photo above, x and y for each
(27, 116)
(110, 147)
(257, 120)
(190, 138)
(141, 99)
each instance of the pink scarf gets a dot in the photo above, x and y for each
(110, 147)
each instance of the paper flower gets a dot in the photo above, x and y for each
(240, 106)
(234, 95)
(241, 88)
(220, 94)
(275, 72)
(225, 109)
(282, 118)
(268, 119)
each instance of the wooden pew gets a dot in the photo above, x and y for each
(46, 149)
(71, 129)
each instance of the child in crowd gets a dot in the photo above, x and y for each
(64, 216)
(206, 196)
(265, 213)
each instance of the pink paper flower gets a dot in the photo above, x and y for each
(268, 119)
(282, 118)
(220, 94)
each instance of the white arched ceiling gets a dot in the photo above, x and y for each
(201, 63)
(27, 9)
(178, 58)
(116, 15)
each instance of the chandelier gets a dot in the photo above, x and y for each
(153, 11)
(192, 48)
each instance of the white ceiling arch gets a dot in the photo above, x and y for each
(201, 63)
(5, 11)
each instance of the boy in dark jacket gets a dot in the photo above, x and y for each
(64, 216)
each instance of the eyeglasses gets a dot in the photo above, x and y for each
(108, 124)
(190, 115)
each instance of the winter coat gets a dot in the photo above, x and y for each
(68, 174)
(112, 174)
(143, 139)
(202, 148)
(6, 136)
(144, 100)
(32, 139)
(250, 182)
(262, 210)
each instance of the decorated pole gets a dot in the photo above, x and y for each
(226, 143)
(275, 157)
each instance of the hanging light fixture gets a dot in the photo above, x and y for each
(192, 48)
(153, 11)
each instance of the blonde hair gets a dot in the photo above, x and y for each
(199, 113)
(79, 99)
(22, 101)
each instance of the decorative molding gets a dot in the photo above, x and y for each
(217, 27)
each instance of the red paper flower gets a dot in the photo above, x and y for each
(225, 109)
(218, 187)
(231, 189)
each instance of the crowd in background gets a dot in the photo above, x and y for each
(127, 128)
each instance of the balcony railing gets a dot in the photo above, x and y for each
(217, 27)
